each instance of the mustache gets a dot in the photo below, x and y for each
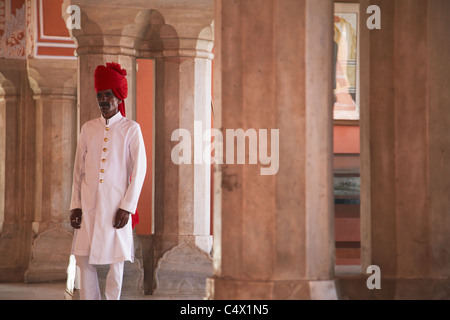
(104, 104)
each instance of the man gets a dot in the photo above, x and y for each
(109, 172)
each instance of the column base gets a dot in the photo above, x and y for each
(49, 255)
(163, 243)
(182, 271)
(227, 289)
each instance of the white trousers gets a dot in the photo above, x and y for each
(89, 287)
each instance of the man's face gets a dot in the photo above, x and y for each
(108, 103)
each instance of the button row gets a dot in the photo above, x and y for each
(104, 150)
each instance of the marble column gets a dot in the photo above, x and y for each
(408, 117)
(274, 233)
(409, 152)
(54, 86)
(438, 100)
(180, 41)
(182, 191)
(17, 150)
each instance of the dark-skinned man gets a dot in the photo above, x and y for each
(109, 171)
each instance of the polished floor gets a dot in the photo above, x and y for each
(56, 290)
(37, 291)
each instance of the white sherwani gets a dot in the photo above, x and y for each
(109, 153)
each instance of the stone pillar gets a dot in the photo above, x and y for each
(17, 149)
(182, 191)
(274, 236)
(409, 152)
(406, 219)
(438, 100)
(181, 42)
(54, 87)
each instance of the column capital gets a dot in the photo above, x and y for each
(10, 77)
(142, 31)
(57, 78)
(106, 45)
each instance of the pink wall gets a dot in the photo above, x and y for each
(346, 139)
(144, 116)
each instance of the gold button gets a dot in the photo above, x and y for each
(103, 160)
(107, 128)
(106, 139)
(104, 149)
(101, 180)
(102, 171)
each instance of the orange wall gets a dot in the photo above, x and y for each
(346, 139)
(144, 116)
(54, 24)
(55, 35)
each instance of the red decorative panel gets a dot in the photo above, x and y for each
(52, 37)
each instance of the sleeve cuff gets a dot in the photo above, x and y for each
(127, 206)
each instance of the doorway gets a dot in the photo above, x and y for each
(351, 154)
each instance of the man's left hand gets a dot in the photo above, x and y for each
(121, 219)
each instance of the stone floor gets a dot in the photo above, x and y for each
(56, 291)
(38, 291)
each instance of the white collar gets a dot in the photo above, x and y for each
(113, 119)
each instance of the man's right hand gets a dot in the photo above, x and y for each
(75, 218)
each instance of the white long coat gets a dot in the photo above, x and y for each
(109, 152)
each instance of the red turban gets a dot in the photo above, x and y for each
(113, 77)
